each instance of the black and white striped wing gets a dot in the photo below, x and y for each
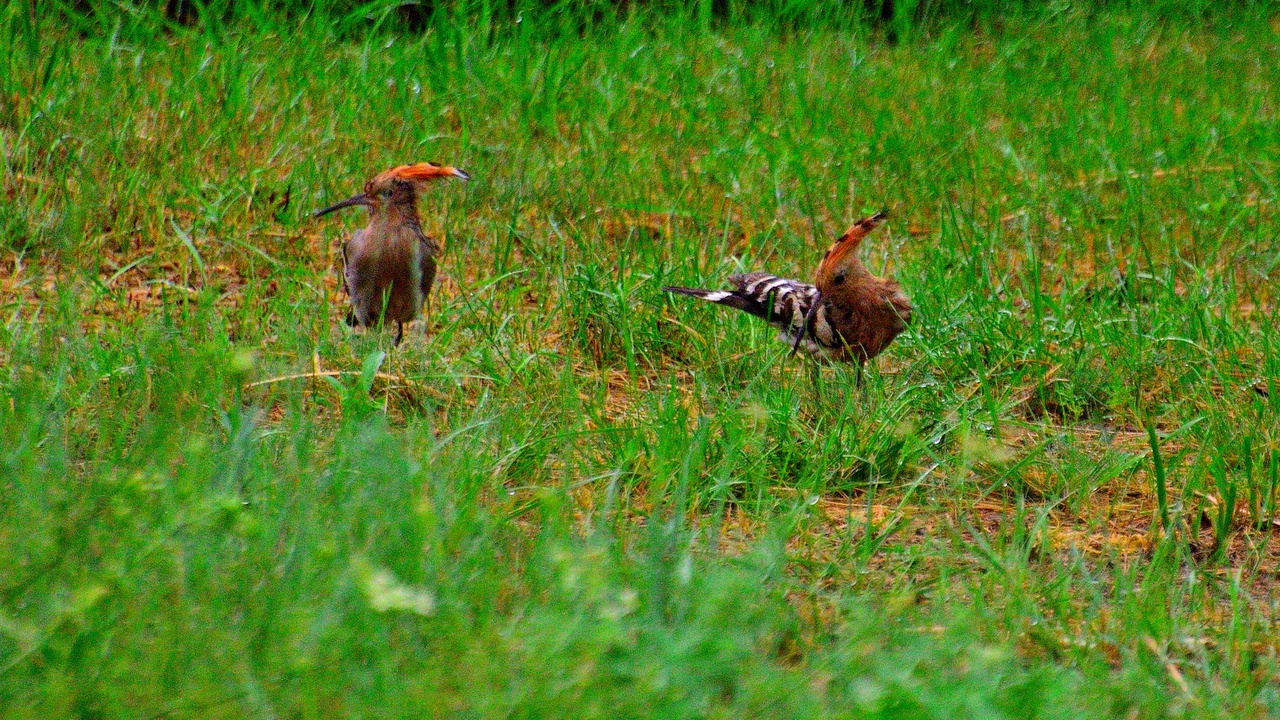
(782, 302)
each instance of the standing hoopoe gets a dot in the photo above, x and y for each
(390, 265)
(848, 314)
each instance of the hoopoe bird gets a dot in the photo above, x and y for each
(390, 265)
(847, 314)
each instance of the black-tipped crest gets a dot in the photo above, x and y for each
(843, 246)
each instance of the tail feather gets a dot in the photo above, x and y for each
(721, 297)
(780, 301)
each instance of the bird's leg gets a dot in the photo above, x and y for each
(399, 333)
(808, 318)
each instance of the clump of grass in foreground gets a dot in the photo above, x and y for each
(576, 498)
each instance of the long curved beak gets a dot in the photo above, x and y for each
(360, 199)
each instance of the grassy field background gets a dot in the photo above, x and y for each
(570, 495)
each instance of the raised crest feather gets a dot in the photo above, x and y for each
(851, 239)
(422, 172)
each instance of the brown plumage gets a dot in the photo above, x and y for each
(848, 314)
(390, 265)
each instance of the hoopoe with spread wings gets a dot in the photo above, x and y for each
(847, 314)
(390, 265)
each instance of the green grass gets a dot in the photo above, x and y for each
(578, 496)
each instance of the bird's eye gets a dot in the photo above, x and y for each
(838, 279)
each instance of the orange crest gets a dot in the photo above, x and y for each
(848, 243)
(419, 172)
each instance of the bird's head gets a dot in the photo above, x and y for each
(840, 272)
(399, 184)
